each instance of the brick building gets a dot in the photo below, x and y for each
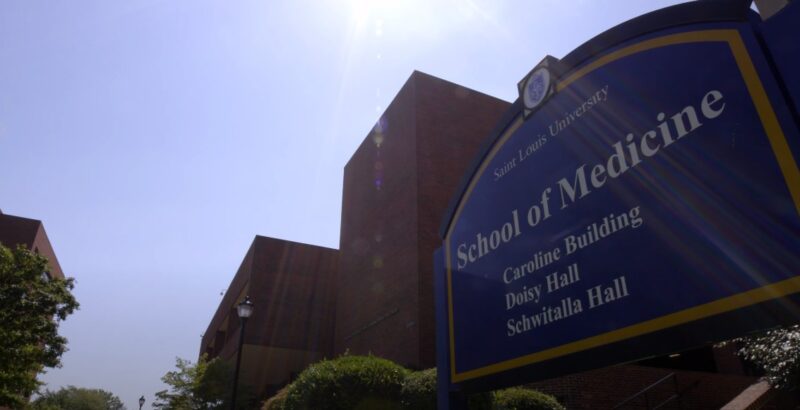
(16, 230)
(291, 285)
(375, 294)
(30, 233)
(397, 186)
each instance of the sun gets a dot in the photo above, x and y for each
(363, 10)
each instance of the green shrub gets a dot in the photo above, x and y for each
(419, 390)
(419, 393)
(517, 398)
(367, 382)
(349, 382)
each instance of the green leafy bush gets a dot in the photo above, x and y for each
(777, 352)
(419, 390)
(349, 382)
(367, 382)
(419, 393)
(517, 398)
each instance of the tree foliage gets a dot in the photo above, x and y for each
(776, 351)
(205, 385)
(32, 305)
(419, 393)
(76, 398)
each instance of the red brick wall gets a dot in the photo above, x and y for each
(424, 142)
(452, 123)
(292, 287)
(605, 388)
(15, 230)
(377, 300)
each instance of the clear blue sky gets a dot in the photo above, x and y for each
(155, 138)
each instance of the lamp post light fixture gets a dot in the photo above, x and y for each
(244, 310)
(141, 402)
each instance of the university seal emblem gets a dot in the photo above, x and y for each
(537, 88)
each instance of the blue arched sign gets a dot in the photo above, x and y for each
(649, 203)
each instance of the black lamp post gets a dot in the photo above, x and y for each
(244, 310)
(141, 402)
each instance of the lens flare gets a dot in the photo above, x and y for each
(377, 262)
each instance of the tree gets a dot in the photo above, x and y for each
(777, 351)
(76, 398)
(32, 305)
(205, 385)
